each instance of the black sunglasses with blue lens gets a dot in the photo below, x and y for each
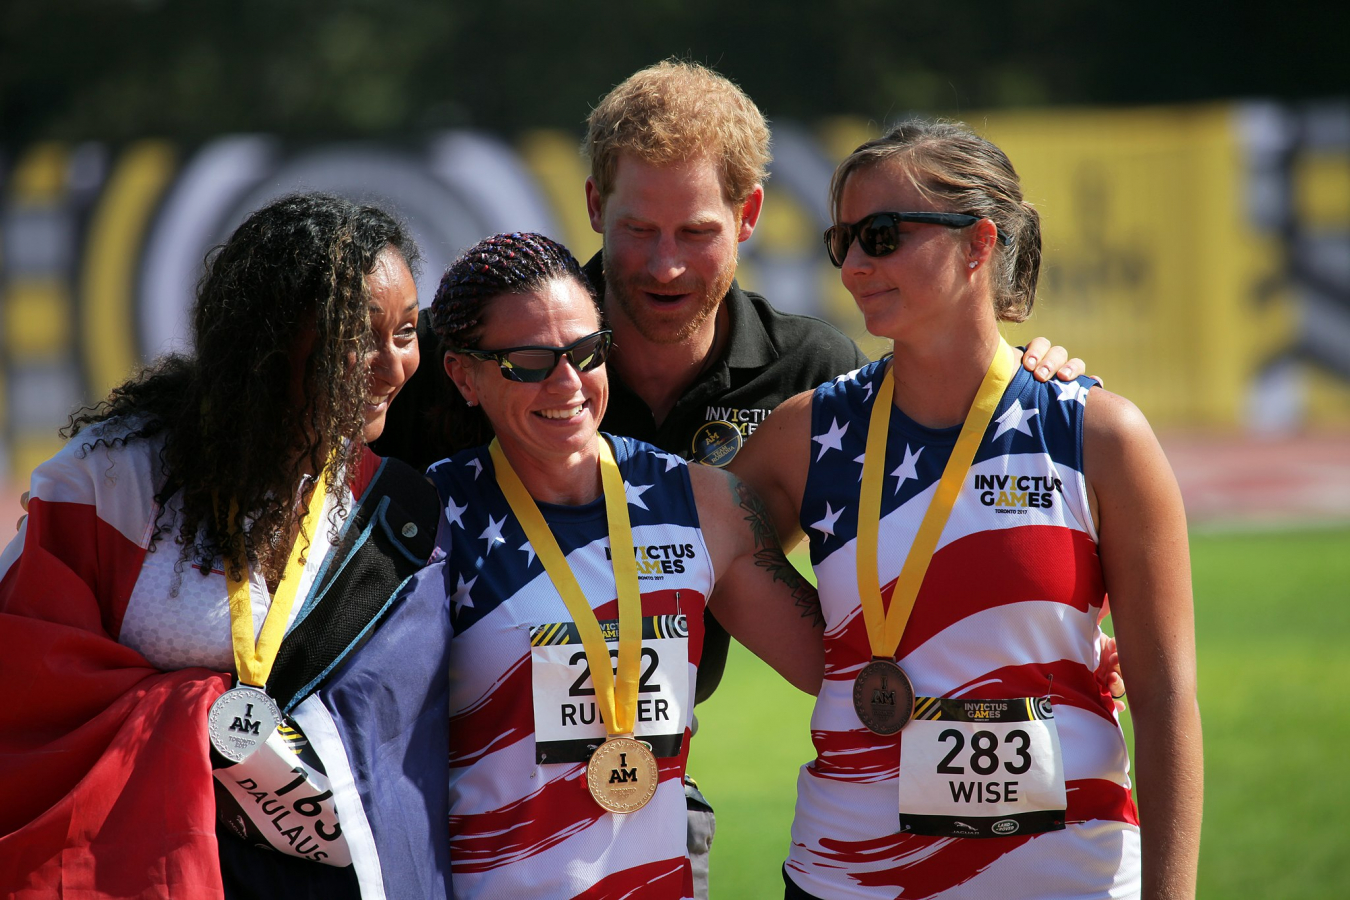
(879, 233)
(534, 364)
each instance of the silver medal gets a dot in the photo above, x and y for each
(241, 720)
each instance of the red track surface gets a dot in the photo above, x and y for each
(1241, 480)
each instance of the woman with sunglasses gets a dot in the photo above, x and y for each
(966, 524)
(159, 736)
(563, 553)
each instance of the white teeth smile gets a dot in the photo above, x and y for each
(569, 413)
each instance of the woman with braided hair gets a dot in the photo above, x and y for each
(576, 567)
(157, 729)
(966, 524)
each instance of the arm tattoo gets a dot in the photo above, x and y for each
(769, 554)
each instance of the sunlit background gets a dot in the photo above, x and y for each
(1191, 165)
(1193, 172)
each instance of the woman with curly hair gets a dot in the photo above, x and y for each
(210, 505)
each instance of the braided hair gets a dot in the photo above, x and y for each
(510, 263)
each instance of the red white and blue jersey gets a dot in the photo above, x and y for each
(522, 822)
(1009, 608)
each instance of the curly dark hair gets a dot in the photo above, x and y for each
(513, 263)
(276, 386)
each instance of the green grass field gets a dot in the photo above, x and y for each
(1273, 623)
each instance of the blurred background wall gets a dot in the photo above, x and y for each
(1193, 174)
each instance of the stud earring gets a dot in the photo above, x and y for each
(974, 264)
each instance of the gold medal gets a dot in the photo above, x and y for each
(622, 775)
(883, 696)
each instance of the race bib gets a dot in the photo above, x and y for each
(280, 797)
(567, 724)
(981, 768)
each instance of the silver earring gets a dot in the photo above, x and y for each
(471, 402)
(974, 264)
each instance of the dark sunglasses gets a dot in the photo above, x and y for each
(879, 233)
(534, 364)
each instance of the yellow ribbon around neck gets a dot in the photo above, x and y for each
(253, 662)
(886, 628)
(616, 697)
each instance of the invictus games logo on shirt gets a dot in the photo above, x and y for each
(745, 420)
(655, 561)
(1018, 493)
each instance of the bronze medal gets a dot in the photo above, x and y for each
(241, 720)
(883, 696)
(622, 775)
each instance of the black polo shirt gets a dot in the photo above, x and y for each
(769, 357)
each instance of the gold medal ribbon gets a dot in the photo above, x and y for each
(253, 663)
(885, 628)
(616, 697)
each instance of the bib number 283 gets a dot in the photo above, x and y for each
(981, 768)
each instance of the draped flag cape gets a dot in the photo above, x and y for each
(104, 759)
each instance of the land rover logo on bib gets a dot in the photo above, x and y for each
(716, 443)
(1005, 826)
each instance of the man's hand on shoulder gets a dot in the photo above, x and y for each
(1041, 360)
